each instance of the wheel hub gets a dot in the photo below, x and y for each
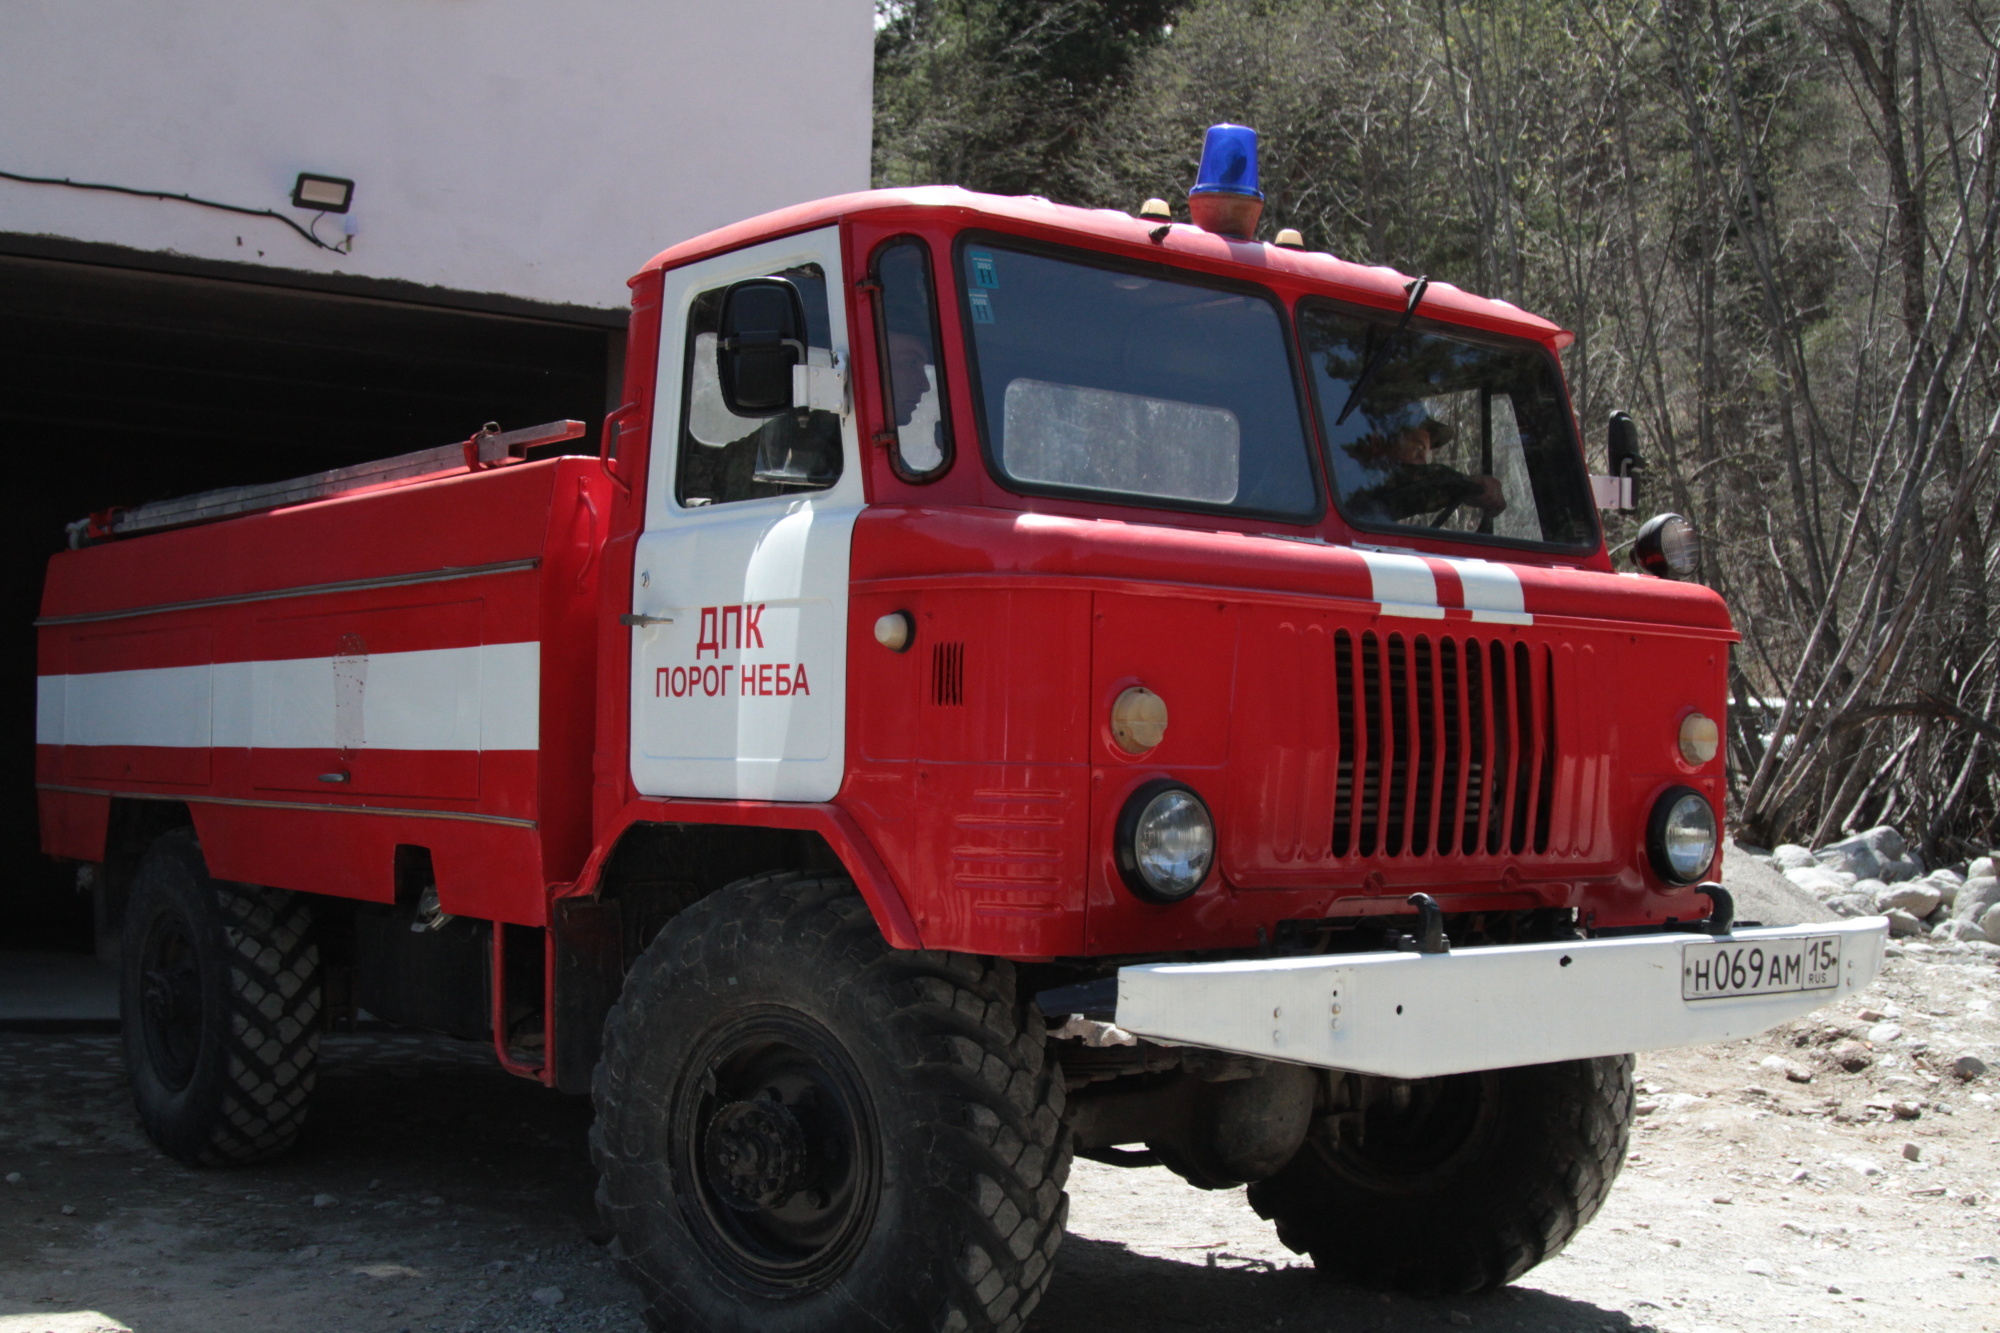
(170, 1007)
(776, 1132)
(756, 1155)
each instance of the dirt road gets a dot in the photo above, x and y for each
(434, 1192)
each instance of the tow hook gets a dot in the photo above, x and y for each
(1430, 937)
(1722, 915)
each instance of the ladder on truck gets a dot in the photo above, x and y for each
(488, 447)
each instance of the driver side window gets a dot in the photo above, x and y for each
(725, 457)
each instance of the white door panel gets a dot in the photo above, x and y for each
(743, 694)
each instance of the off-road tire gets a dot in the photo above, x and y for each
(1503, 1184)
(948, 1091)
(219, 996)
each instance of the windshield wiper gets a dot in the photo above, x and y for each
(1416, 290)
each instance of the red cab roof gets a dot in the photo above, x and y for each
(1369, 284)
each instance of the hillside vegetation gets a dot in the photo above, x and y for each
(1770, 223)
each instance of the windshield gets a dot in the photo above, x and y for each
(1449, 434)
(1135, 386)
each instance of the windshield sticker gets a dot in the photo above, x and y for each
(983, 272)
(982, 308)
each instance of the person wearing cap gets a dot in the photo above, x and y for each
(1416, 487)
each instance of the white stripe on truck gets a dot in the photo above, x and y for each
(486, 697)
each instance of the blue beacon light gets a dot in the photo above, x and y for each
(1226, 198)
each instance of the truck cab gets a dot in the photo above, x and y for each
(1086, 505)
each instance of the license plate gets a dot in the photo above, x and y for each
(1723, 969)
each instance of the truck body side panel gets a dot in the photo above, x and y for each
(320, 684)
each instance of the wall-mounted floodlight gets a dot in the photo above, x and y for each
(325, 194)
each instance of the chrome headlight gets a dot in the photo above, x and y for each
(1667, 547)
(1681, 836)
(1165, 842)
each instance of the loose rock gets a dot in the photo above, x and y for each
(547, 1295)
(1968, 1066)
(1990, 923)
(1792, 1070)
(1818, 880)
(1897, 871)
(324, 1201)
(1791, 856)
(1853, 857)
(1947, 883)
(1917, 898)
(1902, 924)
(1982, 868)
(1975, 896)
(1851, 1055)
(1883, 1033)
(1912, 1153)
(1885, 841)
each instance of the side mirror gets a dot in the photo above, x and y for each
(1620, 490)
(763, 335)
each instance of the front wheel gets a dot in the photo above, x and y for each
(800, 1128)
(1455, 1184)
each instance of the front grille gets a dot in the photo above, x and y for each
(1447, 746)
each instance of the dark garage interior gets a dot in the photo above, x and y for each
(127, 377)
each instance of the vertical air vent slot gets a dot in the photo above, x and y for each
(1446, 746)
(948, 674)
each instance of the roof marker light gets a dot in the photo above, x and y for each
(1226, 198)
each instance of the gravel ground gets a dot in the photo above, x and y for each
(434, 1192)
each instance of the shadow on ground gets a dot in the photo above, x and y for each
(432, 1191)
(1103, 1287)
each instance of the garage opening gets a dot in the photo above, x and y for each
(120, 385)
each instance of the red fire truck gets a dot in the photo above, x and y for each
(1013, 681)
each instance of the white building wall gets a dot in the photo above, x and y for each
(541, 150)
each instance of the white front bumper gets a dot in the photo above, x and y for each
(1411, 1015)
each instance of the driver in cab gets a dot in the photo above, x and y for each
(1413, 486)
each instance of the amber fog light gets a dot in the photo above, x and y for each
(1700, 738)
(1138, 720)
(1165, 842)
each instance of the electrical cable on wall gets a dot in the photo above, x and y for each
(339, 249)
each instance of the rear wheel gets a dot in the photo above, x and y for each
(1456, 1184)
(219, 999)
(800, 1128)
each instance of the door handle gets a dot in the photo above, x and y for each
(632, 619)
